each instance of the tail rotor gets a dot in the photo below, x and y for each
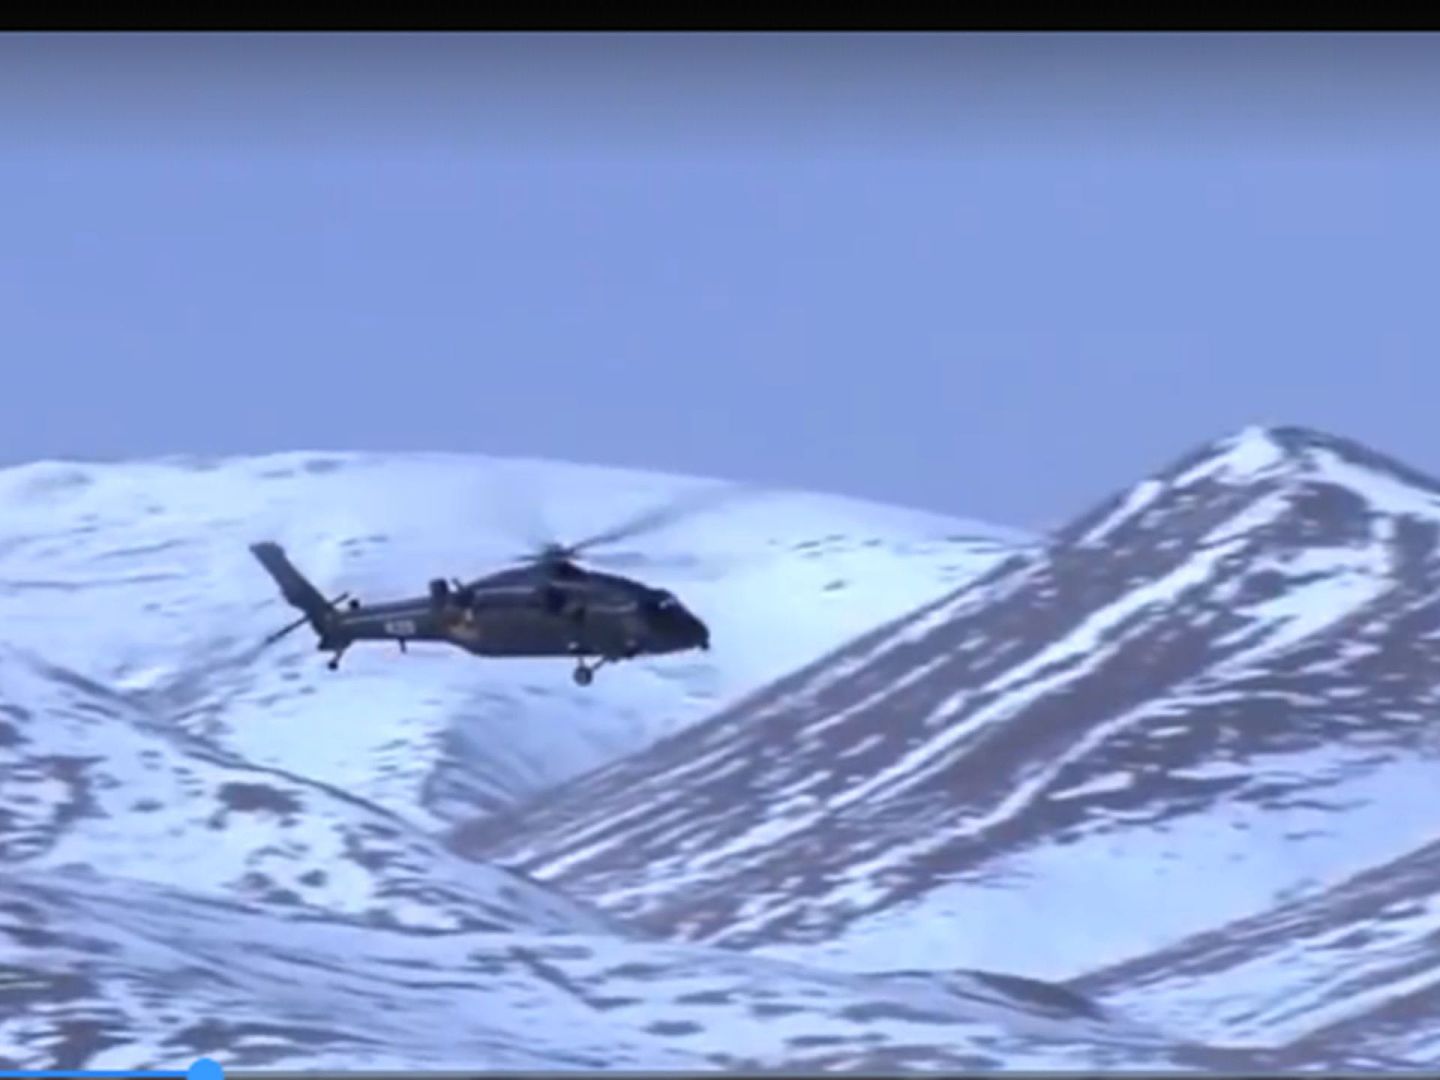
(299, 593)
(290, 628)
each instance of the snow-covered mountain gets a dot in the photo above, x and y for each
(1196, 732)
(1179, 757)
(136, 577)
(212, 848)
(209, 848)
(90, 781)
(1349, 967)
(110, 973)
(162, 899)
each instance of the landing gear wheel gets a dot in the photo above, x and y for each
(583, 676)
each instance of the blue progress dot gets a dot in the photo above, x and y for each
(205, 1069)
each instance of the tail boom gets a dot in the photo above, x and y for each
(299, 593)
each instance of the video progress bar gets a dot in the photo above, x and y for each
(204, 1069)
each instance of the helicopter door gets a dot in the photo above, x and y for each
(552, 599)
(562, 603)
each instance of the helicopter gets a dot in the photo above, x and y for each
(547, 605)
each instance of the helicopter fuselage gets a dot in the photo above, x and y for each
(552, 608)
(612, 618)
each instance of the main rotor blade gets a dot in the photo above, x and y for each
(638, 560)
(521, 505)
(653, 518)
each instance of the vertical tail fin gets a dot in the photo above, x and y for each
(294, 586)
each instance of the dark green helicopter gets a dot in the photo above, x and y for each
(548, 605)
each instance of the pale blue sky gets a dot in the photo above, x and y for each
(994, 276)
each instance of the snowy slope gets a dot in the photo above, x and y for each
(163, 899)
(1351, 966)
(91, 782)
(121, 974)
(137, 577)
(1215, 690)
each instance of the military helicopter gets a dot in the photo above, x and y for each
(547, 605)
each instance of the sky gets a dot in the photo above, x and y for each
(996, 276)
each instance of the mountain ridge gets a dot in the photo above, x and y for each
(1188, 662)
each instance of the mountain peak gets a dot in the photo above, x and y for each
(1268, 452)
(1265, 456)
(1263, 448)
(1254, 452)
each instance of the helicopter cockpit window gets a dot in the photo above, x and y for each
(662, 600)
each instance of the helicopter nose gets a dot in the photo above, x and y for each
(675, 628)
(693, 633)
(702, 634)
